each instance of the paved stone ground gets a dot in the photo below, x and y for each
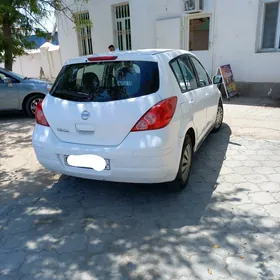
(226, 225)
(254, 118)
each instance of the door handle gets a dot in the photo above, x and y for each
(207, 94)
(191, 101)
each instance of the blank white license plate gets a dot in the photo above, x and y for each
(107, 167)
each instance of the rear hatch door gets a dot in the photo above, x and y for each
(98, 103)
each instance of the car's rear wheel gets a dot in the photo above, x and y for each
(183, 174)
(31, 103)
(219, 118)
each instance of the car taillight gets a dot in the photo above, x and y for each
(39, 115)
(158, 116)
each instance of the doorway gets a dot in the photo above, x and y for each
(198, 38)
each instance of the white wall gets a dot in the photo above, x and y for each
(143, 14)
(173, 40)
(48, 57)
(102, 28)
(235, 42)
(233, 38)
(67, 38)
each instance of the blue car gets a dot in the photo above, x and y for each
(21, 93)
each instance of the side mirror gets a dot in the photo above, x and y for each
(217, 80)
(7, 80)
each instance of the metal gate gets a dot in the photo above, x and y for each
(122, 27)
(84, 33)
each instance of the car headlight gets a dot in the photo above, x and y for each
(49, 86)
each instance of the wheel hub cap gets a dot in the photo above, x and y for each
(186, 162)
(34, 104)
(219, 117)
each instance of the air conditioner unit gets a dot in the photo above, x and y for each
(193, 6)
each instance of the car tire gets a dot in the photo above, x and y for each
(31, 103)
(182, 178)
(219, 118)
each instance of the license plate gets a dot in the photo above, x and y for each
(107, 167)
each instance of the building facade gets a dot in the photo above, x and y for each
(243, 33)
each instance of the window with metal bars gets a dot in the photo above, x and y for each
(122, 27)
(270, 35)
(83, 27)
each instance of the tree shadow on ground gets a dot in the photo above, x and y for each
(79, 229)
(17, 176)
(13, 115)
(15, 132)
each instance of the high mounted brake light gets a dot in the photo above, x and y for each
(102, 58)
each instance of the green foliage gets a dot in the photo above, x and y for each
(21, 18)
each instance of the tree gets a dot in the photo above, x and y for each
(21, 18)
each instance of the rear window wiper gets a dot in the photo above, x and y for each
(75, 94)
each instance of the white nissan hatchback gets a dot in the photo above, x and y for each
(135, 117)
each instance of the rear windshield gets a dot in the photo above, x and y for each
(106, 81)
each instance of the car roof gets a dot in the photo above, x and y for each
(6, 71)
(142, 54)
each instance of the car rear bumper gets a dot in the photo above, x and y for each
(140, 158)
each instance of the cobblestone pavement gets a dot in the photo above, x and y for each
(226, 225)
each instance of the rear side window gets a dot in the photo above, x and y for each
(107, 81)
(184, 73)
(204, 79)
(188, 72)
(179, 75)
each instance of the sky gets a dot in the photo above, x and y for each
(48, 23)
